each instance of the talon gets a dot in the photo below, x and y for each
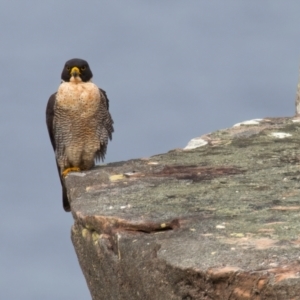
(68, 170)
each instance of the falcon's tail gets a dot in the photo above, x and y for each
(65, 200)
(66, 203)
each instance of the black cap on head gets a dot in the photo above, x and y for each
(76, 67)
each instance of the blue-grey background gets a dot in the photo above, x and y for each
(173, 70)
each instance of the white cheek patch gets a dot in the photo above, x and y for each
(76, 79)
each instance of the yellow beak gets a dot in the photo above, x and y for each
(75, 72)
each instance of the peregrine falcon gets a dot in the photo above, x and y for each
(78, 121)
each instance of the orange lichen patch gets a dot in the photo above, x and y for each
(266, 230)
(290, 194)
(259, 244)
(284, 208)
(261, 284)
(217, 273)
(242, 294)
(296, 242)
(287, 275)
(98, 187)
(263, 243)
(234, 241)
(291, 271)
(274, 223)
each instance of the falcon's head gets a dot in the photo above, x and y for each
(77, 70)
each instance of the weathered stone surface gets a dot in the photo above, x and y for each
(221, 221)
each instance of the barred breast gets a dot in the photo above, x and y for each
(76, 123)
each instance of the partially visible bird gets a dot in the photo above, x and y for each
(78, 122)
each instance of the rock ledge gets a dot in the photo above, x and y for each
(219, 220)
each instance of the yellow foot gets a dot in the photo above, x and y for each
(68, 170)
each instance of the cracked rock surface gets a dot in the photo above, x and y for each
(221, 221)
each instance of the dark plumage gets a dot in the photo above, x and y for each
(78, 121)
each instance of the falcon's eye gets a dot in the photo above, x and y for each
(68, 68)
(83, 68)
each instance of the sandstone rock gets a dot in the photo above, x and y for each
(220, 221)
